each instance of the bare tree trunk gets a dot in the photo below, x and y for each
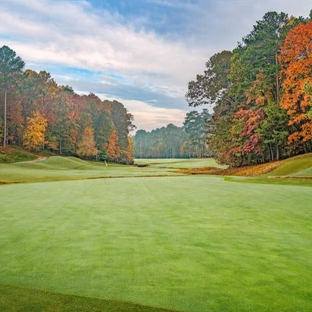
(271, 152)
(5, 118)
(277, 152)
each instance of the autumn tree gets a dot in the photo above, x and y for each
(63, 134)
(212, 88)
(113, 149)
(296, 72)
(123, 123)
(10, 67)
(86, 146)
(74, 124)
(253, 84)
(34, 135)
(308, 90)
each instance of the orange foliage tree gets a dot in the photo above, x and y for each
(296, 70)
(86, 146)
(113, 150)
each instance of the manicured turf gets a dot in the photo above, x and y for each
(188, 243)
(180, 163)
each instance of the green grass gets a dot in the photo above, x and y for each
(59, 168)
(296, 166)
(178, 163)
(13, 298)
(186, 243)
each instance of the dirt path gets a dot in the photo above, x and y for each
(35, 160)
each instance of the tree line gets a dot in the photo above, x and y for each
(188, 141)
(36, 114)
(261, 93)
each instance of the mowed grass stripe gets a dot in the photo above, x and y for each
(182, 243)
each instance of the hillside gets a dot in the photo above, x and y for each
(294, 167)
(12, 155)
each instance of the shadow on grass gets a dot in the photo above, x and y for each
(14, 298)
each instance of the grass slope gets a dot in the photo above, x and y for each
(295, 166)
(187, 243)
(59, 168)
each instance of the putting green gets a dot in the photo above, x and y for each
(189, 243)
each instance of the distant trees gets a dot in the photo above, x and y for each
(175, 142)
(164, 142)
(196, 127)
(260, 92)
(39, 114)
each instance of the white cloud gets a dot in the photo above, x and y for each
(79, 38)
(125, 58)
(149, 117)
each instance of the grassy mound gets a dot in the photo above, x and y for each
(61, 163)
(299, 166)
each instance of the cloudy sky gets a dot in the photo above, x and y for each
(142, 53)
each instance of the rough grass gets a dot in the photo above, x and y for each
(12, 155)
(188, 243)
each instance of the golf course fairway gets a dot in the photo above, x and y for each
(182, 243)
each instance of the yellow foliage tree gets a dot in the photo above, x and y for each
(33, 138)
